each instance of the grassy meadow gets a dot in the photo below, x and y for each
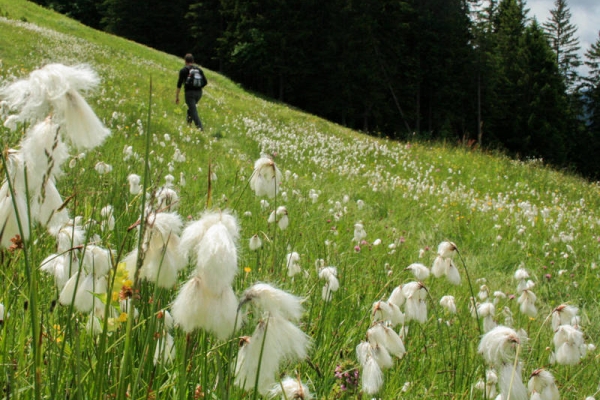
(503, 215)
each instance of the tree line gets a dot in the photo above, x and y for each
(479, 72)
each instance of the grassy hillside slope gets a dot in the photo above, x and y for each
(501, 214)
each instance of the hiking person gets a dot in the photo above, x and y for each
(192, 78)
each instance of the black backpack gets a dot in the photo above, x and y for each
(195, 79)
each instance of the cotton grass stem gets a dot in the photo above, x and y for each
(126, 365)
(471, 290)
(476, 312)
(36, 341)
(512, 377)
(209, 188)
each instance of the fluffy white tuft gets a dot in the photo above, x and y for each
(290, 388)
(274, 301)
(498, 345)
(420, 271)
(266, 178)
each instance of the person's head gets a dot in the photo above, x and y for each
(189, 58)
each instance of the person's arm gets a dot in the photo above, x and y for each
(179, 85)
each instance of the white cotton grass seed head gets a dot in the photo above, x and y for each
(216, 256)
(166, 199)
(284, 222)
(93, 325)
(290, 388)
(511, 382)
(195, 231)
(484, 292)
(448, 303)
(292, 264)
(272, 300)
(59, 266)
(55, 89)
(102, 168)
(372, 375)
(281, 210)
(272, 217)
(359, 232)
(264, 204)
(382, 335)
(542, 382)
(420, 271)
(498, 296)
(320, 263)
(415, 294)
(568, 344)
(43, 153)
(452, 273)
(397, 296)
(134, 184)
(486, 311)
(165, 352)
(169, 180)
(162, 256)
(198, 306)
(106, 211)
(521, 274)
(527, 301)
(447, 249)
(563, 315)
(330, 275)
(97, 260)
(266, 178)
(498, 346)
(388, 312)
(255, 242)
(274, 340)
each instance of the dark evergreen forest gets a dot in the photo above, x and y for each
(470, 72)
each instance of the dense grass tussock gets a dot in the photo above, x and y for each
(274, 254)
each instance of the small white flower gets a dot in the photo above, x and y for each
(359, 232)
(420, 271)
(498, 346)
(446, 249)
(292, 263)
(255, 242)
(273, 300)
(448, 303)
(134, 184)
(290, 388)
(266, 177)
(102, 168)
(542, 382)
(264, 204)
(563, 315)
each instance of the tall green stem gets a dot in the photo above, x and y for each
(126, 366)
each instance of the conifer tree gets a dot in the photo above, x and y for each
(564, 42)
(586, 146)
(544, 115)
(592, 87)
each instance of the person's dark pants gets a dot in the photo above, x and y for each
(192, 97)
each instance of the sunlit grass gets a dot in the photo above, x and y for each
(501, 214)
